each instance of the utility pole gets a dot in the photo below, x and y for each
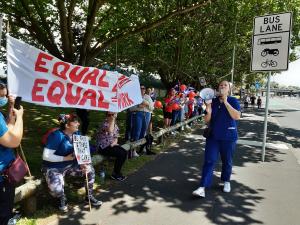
(233, 54)
(1, 27)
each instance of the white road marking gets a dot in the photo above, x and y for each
(281, 146)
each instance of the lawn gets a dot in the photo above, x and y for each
(39, 119)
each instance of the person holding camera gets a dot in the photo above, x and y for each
(11, 133)
(221, 115)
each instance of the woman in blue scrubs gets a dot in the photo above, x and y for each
(221, 115)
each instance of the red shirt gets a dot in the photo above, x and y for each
(168, 107)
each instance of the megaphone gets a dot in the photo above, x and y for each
(207, 94)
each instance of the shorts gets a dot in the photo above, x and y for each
(167, 115)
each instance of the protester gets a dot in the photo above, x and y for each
(153, 94)
(259, 102)
(11, 132)
(150, 92)
(83, 114)
(182, 107)
(141, 117)
(200, 104)
(107, 144)
(246, 101)
(168, 107)
(59, 161)
(129, 126)
(221, 115)
(252, 100)
(176, 112)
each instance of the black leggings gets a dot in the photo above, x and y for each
(7, 194)
(119, 153)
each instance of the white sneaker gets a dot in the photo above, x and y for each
(134, 154)
(200, 192)
(227, 187)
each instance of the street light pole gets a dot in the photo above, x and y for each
(1, 27)
(233, 53)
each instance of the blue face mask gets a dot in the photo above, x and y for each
(3, 101)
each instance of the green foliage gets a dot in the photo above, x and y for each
(156, 36)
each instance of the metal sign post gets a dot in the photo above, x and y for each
(270, 51)
(266, 119)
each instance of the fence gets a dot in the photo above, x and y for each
(26, 193)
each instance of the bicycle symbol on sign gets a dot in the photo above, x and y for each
(271, 63)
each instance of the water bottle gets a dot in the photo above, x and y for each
(12, 221)
(102, 176)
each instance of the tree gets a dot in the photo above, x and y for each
(201, 43)
(79, 31)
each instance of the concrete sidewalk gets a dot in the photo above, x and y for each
(160, 193)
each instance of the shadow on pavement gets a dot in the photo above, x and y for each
(173, 176)
(253, 129)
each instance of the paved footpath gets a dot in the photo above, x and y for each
(160, 193)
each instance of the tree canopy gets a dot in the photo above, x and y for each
(180, 40)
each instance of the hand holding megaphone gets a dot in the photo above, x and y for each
(207, 94)
(208, 102)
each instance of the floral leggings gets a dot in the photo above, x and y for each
(55, 178)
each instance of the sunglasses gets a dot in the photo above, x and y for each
(142, 88)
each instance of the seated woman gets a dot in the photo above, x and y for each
(107, 144)
(59, 161)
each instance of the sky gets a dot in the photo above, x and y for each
(290, 77)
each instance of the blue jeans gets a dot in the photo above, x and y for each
(175, 116)
(140, 121)
(212, 150)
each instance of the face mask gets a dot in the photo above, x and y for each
(3, 101)
(222, 91)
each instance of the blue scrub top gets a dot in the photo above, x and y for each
(6, 154)
(223, 126)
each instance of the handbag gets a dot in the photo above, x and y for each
(16, 171)
(206, 132)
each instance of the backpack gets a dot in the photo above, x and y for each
(45, 136)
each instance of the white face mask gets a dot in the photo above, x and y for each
(222, 91)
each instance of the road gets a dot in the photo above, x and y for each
(286, 112)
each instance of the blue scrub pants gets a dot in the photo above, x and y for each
(212, 149)
(140, 121)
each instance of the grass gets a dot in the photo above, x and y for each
(39, 119)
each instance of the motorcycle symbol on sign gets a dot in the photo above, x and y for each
(269, 51)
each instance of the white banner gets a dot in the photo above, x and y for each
(43, 79)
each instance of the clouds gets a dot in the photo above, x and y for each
(290, 77)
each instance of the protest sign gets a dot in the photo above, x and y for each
(40, 78)
(82, 149)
